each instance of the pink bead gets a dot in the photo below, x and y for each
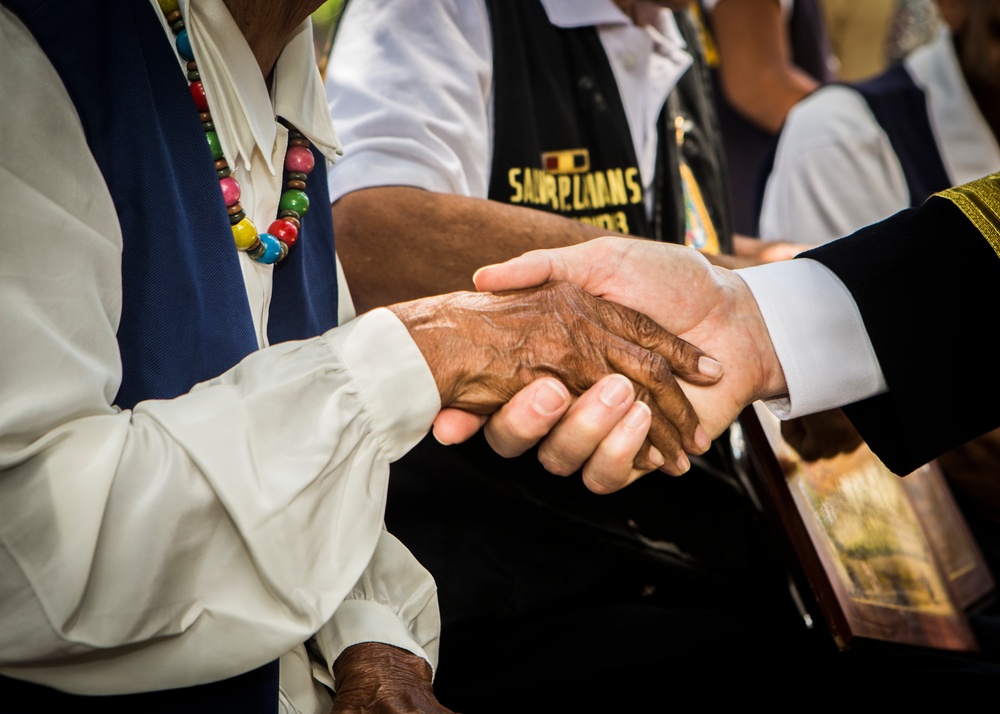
(230, 190)
(300, 159)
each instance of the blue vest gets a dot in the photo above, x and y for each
(185, 316)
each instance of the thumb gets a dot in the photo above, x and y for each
(526, 271)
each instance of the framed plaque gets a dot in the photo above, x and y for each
(887, 559)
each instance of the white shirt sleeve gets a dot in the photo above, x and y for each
(834, 171)
(419, 115)
(818, 335)
(190, 539)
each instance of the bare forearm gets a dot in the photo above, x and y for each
(399, 243)
(757, 73)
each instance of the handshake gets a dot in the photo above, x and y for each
(616, 357)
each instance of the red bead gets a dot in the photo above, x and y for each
(230, 190)
(299, 158)
(198, 94)
(285, 231)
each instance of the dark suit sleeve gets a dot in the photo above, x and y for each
(926, 282)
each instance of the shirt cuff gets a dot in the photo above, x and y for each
(818, 335)
(393, 378)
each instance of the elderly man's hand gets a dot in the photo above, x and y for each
(376, 678)
(483, 349)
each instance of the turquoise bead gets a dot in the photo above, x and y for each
(294, 200)
(184, 45)
(272, 249)
(215, 145)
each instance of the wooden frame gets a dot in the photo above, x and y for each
(887, 559)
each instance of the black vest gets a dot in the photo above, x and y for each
(562, 142)
(503, 537)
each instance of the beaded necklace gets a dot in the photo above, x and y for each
(281, 235)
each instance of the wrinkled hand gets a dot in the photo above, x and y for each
(376, 678)
(483, 349)
(822, 435)
(676, 286)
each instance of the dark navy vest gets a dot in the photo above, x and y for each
(562, 142)
(185, 316)
(900, 107)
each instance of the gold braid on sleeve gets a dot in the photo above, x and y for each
(980, 202)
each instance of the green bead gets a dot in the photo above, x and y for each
(214, 144)
(294, 200)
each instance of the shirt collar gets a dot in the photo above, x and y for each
(586, 13)
(242, 109)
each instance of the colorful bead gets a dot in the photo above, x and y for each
(230, 190)
(299, 159)
(272, 249)
(244, 234)
(294, 200)
(214, 144)
(183, 43)
(198, 95)
(273, 246)
(285, 231)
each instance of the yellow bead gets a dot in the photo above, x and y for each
(168, 6)
(244, 233)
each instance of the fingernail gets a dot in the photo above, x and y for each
(615, 391)
(476, 274)
(439, 439)
(683, 463)
(701, 439)
(638, 416)
(709, 367)
(655, 457)
(549, 399)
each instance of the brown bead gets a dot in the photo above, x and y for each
(294, 221)
(301, 185)
(192, 66)
(299, 142)
(234, 209)
(220, 164)
(173, 17)
(204, 116)
(256, 250)
(289, 213)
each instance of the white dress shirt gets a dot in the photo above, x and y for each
(191, 539)
(421, 112)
